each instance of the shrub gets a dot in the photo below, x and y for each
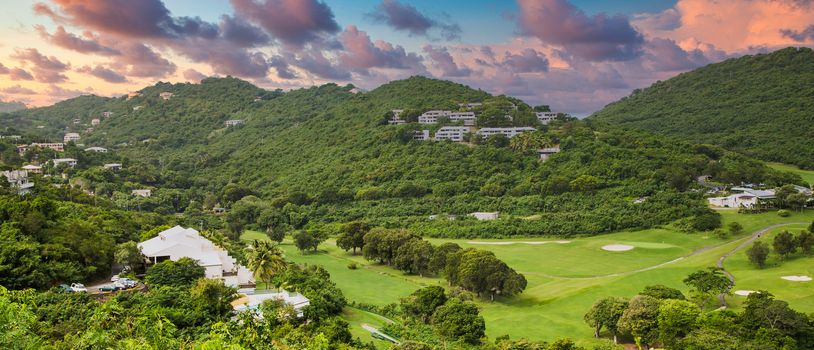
(353, 266)
(783, 213)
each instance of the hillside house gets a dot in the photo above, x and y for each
(547, 152)
(508, 132)
(470, 106)
(252, 301)
(431, 117)
(452, 133)
(113, 166)
(59, 147)
(737, 200)
(396, 119)
(96, 149)
(233, 122)
(803, 190)
(142, 192)
(89, 130)
(11, 137)
(33, 169)
(71, 137)
(178, 242)
(763, 195)
(546, 117)
(77, 121)
(485, 215)
(421, 135)
(136, 108)
(218, 210)
(107, 114)
(468, 118)
(68, 161)
(95, 121)
(19, 180)
(166, 95)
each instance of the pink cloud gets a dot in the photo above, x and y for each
(294, 22)
(193, 75)
(361, 54)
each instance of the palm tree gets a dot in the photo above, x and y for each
(266, 260)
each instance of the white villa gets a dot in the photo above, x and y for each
(251, 301)
(18, 179)
(760, 194)
(71, 136)
(452, 133)
(107, 114)
(547, 152)
(95, 122)
(738, 200)
(233, 122)
(113, 166)
(31, 168)
(421, 135)
(178, 242)
(470, 106)
(166, 95)
(142, 192)
(396, 120)
(468, 118)
(11, 137)
(69, 161)
(96, 149)
(431, 117)
(59, 147)
(509, 132)
(485, 215)
(546, 117)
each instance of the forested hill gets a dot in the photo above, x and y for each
(11, 106)
(329, 153)
(761, 105)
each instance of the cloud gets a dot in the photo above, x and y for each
(70, 41)
(46, 69)
(799, 35)
(665, 55)
(18, 90)
(19, 74)
(283, 69)
(529, 60)
(315, 62)
(139, 60)
(241, 33)
(193, 75)
(596, 38)
(361, 53)
(223, 57)
(444, 61)
(103, 73)
(294, 22)
(407, 18)
(668, 19)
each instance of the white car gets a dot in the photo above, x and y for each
(78, 288)
(115, 278)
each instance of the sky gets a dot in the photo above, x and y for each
(574, 55)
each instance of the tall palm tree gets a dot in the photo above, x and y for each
(266, 260)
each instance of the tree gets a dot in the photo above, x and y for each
(353, 236)
(605, 313)
(640, 319)
(784, 244)
(275, 234)
(381, 244)
(707, 283)
(677, 318)
(758, 253)
(662, 292)
(174, 273)
(265, 260)
(305, 240)
(438, 261)
(805, 240)
(413, 257)
(128, 254)
(459, 320)
(735, 228)
(797, 201)
(213, 296)
(481, 272)
(584, 183)
(422, 303)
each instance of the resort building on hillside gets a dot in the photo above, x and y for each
(485, 215)
(68, 161)
(137, 108)
(11, 137)
(431, 117)
(547, 152)
(77, 121)
(166, 95)
(178, 242)
(113, 166)
(142, 193)
(96, 149)
(760, 194)
(470, 106)
(34, 169)
(233, 122)
(468, 118)
(59, 147)
(70, 137)
(546, 117)
(738, 200)
(396, 119)
(452, 133)
(107, 114)
(421, 135)
(508, 132)
(95, 121)
(19, 180)
(252, 301)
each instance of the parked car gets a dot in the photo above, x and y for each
(128, 283)
(114, 278)
(65, 288)
(78, 288)
(109, 288)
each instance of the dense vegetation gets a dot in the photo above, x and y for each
(11, 106)
(760, 105)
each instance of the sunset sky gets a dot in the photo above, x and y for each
(576, 55)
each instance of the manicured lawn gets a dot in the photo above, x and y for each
(807, 175)
(357, 317)
(560, 283)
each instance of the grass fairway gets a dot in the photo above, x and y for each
(566, 279)
(807, 175)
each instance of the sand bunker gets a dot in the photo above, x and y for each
(744, 292)
(797, 278)
(617, 247)
(509, 243)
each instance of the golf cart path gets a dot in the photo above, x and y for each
(375, 330)
(749, 239)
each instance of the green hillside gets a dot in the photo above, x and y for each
(324, 155)
(761, 105)
(11, 106)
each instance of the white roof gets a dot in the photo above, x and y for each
(296, 300)
(179, 242)
(31, 167)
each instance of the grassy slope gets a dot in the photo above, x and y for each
(553, 306)
(807, 175)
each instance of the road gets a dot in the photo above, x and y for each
(375, 330)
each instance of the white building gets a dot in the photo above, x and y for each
(19, 180)
(69, 161)
(59, 147)
(396, 120)
(113, 166)
(34, 169)
(546, 117)
(452, 133)
(166, 95)
(760, 194)
(96, 149)
(107, 114)
(95, 121)
(142, 192)
(71, 136)
(468, 118)
(421, 135)
(547, 152)
(738, 200)
(470, 106)
(485, 215)
(178, 242)
(431, 117)
(509, 132)
(77, 121)
(11, 137)
(233, 122)
(252, 301)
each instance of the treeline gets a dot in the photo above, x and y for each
(785, 245)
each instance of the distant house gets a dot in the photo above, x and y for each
(11, 137)
(77, 121)
(96, 149)
(166, 95)
(258, 99)
(251, 301)
(107, 114)
(804, 190)
(218, 210)
(59, 147)
(233, 122)
(178, 242)
(95, 121)
(19, 180)
(468, 118)
(113, 166)
(452, 133)
(34, 169)
(470, 106)
(70, 137)
(68, 161)
(431, 117)
(421, 135)
(137, 108)
(737, 200)
(546, 117)
(760, 194)
(89, 130)
(142, 192)
(485, 215)
(396, 120)
(508, 132)
(547, 152)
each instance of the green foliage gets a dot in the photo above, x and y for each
(353, 236)
(756, 104)
(640, 319)
(605, 313)
(784, 243)
(758, 253)
(183, 272)
(707, 283)
(459, 320)
(662, 292)
(783, 213)
(128, 255)
(265, 260)
(422, 303)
